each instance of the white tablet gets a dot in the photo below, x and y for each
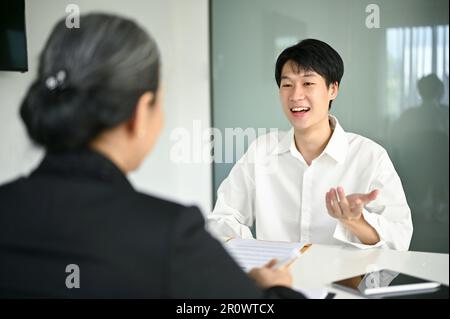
(386, 282)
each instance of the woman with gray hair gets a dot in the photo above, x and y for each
(75, 227)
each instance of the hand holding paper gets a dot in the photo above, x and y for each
(269, 276)
(287, 261)
(250, 253)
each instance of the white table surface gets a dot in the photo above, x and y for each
(323, 264)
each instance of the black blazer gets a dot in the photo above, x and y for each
(79, 208)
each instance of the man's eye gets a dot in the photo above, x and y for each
(309, 83)
(286, 85)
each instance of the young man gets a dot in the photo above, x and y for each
(317, 182)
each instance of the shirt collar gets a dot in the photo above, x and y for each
(336, 148)
(284, 145)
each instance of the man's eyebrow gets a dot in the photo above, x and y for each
(306, 75)
(285, 77)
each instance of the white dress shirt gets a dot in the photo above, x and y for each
(273, 188)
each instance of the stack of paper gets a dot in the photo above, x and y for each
(250, 253)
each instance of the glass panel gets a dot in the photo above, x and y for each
(394, 90)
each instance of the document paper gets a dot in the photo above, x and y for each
(250, 253)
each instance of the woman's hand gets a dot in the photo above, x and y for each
(267, 276)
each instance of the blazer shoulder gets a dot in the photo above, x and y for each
(166, 208)
(11, 186)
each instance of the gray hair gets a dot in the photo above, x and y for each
(108, 63)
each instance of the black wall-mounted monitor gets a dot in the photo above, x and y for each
(13, 41)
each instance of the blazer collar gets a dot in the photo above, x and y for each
(82, 163)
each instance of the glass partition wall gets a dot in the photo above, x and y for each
(394, 90)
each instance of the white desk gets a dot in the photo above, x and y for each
(323, 264)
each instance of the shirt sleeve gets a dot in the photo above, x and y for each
(389, 214)
(233, 214)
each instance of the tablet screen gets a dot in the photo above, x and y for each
(388, 283)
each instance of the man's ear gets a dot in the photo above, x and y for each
(333, 90)
(137, 124)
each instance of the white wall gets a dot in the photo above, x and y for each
(180, 28)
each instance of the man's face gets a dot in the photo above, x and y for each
(305, 96)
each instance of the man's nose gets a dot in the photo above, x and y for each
(297, 94)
